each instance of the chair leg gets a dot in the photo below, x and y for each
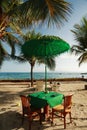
(22, 118)
(30, 124)
(64, 121)
(46, 111)
(30, 121)
(40, 118)
(52, 116)
(70, 117)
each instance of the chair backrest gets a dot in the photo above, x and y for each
(25, 102)
(40, 86)
(67, 101)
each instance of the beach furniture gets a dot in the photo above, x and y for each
(28, 110)
(40, 86)
(63, 109)
(45, 100)
(55, 86)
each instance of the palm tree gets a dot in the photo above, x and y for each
(80, 33)
(28, 12)
(5, 15)
(31, 60)
(8, 29)
(49, 12)
(50, 62)
(12, 15)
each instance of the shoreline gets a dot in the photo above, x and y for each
(28, 80)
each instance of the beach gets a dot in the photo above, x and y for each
(10, 106)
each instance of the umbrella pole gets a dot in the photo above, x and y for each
(45, 78)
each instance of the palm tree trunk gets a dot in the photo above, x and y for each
(32, 63)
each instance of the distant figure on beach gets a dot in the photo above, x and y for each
(83, 76)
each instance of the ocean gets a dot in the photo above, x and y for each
(39, 75)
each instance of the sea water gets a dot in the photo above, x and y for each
(40, 75)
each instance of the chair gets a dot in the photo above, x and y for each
(63, 109)
(55, 86)
(40, 86)
(28, 110)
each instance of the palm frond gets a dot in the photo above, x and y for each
(20, 59)
(80, 32)
(3, 54)
(11, 41)
(82, 58)
(77, 49)
(49, 11)
(31, 35)
(50, 62)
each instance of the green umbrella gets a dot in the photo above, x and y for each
(45, 47)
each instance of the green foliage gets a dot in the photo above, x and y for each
(3, 54)
(80, 34)
(16, 14)
(50, 12)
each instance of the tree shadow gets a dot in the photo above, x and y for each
(13, 120)
(9, 97)
(81, 118)
(10, 120)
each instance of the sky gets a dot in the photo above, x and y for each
(65, 62)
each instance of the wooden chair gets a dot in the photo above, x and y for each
(55, 86)
(28, 110)
(40, 86)
(63, 109)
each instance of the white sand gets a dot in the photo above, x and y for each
(10, 107)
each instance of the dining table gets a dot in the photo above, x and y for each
(45, 100)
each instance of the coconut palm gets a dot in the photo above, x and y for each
(49, 11)
(24, 13)
(31, 60)
(5, 14)
(21, 13)
(7, 29)
(27, 12)
(50, 62)
(80, 34)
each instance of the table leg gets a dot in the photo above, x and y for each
(46, 111)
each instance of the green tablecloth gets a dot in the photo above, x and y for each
(41, 99)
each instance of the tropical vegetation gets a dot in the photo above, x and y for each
(32, 60)
(28, 12)
(80, 34)
(8, 29)
(16, 15)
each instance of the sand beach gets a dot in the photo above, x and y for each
(10, 106)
